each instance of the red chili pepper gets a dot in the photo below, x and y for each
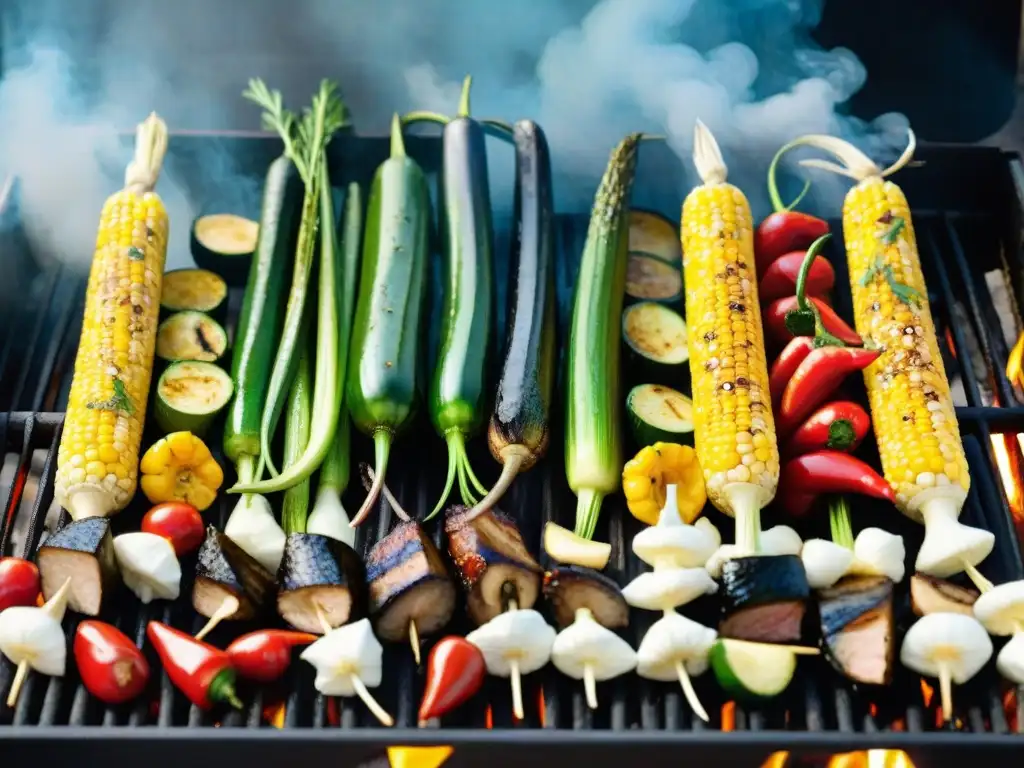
(782, 232)
(200, 671)
(816, 378)
(455, 672)
(785, 366)
(19, 582)
(112, 668)
(179, 523)
(839, 426)
(264, 655)
(780, 278)
(778, 331)
(806, 477)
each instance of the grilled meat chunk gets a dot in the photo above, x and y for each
(320, 576)
(569, 588)
(84, 552)
(226, 570)
(858, 628)
(764, 598)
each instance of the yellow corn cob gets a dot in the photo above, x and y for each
(98, 460)
(915, 422)
(733, 424)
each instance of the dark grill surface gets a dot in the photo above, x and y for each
(965, 226)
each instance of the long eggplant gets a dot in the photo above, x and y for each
(225, 571)
(321, 581)
(383, 354)
(518, 433)
(83, 551)
(764, 598)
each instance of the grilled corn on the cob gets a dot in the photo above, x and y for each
(915, 422)
(734, 429)
(98, 460)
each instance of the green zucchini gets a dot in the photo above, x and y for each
(189, 394)
(652, 233)
(752, 671)
(593, 447)
(519, 428)
(259, 325)
(655, 336)
(649, 278)
(658, 414)
(191, 336)
(195, 290)
(383, 376)
(225, 243)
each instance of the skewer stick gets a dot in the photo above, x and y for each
(590, 685)
(371, 703)
(414, 641)
(517, 690)
(983, 584)
(321, 616)
(946, 692)
(799, 650)
(689, 692)
(19, 680)
(55, 608)
(227, 608)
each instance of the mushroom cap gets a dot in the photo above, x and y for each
(253, 526)
(705, 525)
(777, 540)
(825, 562)
(521, 636)
(585, 642)
(29, 634)
(664, 589)
(148, 565)
(670, 639)
(349, 650)
(569, 588)
(677, 545)
(1001, 609)
(879, 553)
(960, 642)
(1010, 661)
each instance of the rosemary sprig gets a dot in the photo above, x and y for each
(904, 293)
(119, 401)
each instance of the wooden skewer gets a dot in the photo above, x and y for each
(517, 690)
(321, 616)
(19, 680)
(946, 692)
(55, 608)
(799, 650)
(689, 692)
(590, 685)
(414, 641)
(227, 608)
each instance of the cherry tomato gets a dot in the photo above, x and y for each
(112, 668)
(179, 523)
(19, 582)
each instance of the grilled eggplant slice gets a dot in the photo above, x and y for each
(572, 587)
(858, 628)
(931, 595)
(226, 570)
(764, 598)
(408, 583)
(318, 571)
(492, 561)
(82, 551)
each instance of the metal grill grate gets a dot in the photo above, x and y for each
(819, 711)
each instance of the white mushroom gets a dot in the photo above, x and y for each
(825, 562)
(1010, 661)
(329, 518)
(514, 643)
(672, 543)
(948, 544)
(708, 527)
(879, 553)
(676, 648)
(348, 662)
(778, 540)
(949, 646)
(589, 652)
(1001, 608)
(32, 638)
(253, 527)
(664, 589)
(148, 566)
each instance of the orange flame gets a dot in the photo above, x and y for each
(274, 714)
(927, 692)
(872, 758)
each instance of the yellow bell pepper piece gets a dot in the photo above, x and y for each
(646, 476)
(180, 467)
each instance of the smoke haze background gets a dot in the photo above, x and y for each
(81, 72)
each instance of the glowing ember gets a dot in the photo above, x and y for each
(542, 708)
(729, 716)
(489, 718)
(873, 758)
(776, 760)
(274, 714)
(927, 692)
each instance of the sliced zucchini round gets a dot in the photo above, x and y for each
(190, 394)
(749, 671)
(659, 414)
(649, 278)
(198, 290)
(191, 336)
(655, 336)
(652, 233)
(225, 244)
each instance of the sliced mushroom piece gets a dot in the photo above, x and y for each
(587, 651)
(568, 589)
(931, 595)
(1001, 608)
(778, 540)
(676, 648)
(148, 566)
(564, 546)
(674, 544)
(665, 589)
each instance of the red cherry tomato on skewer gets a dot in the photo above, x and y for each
(19, 582)
(179, 523)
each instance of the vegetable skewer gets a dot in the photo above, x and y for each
(32, 638)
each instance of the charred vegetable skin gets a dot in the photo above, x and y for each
(408, 583)
(320, 576)
(765, 598)
(489, 553)
(84, 552)
(519, 429)
(569, 588)
(857, 616)
(224, 571)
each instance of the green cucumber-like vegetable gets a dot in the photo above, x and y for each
(649, 278)
(382, 371)
(519, 431)
(593, 448)
(655, 336)
(191, 336)
(295, 503)
(225, 243)
(749, 671)
(189, 395)
(197, 290)
(658, 414)
(459, 384)
(262, 309)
